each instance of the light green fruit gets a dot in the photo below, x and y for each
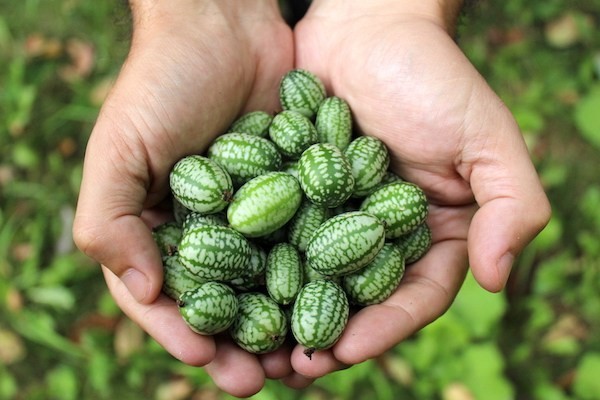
(378, 280)
(325, 175)
(177, 279)
(416, 243)
(264, 204)
(194, 219)
(201, 184)
(244, 156)
(369, 159)
(254, 274)
(334, 122)
(292, 133)
(260, 326)
(209, 309)
(301, 91)
(305, 222)
(319, 316)
(284, 273)
(401, 205)
(345, 243)
(167, 236)
(253, 123)
(213, 252)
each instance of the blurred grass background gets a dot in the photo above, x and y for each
(62, 337)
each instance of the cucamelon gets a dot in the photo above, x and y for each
(292, 133)
(244, 156)
(378, 280)
(319, 315)
(201, 184)
(213, 252)
(284, 273)
(345, 243)
(176, 278)
(260, 325)
(416, 243)
(167, 236)
(325, 175)
(334, 122)
(369, 159)
(305, 222)
(302, 91)
(208, 309)
(253, 123)
(264, 204)
(401, 205)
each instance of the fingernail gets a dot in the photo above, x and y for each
(136, 283)
(505, 265)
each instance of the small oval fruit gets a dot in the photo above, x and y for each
(264, 204)
(305, 222)
(200, 184)
(301, 90)
(213, 252)
(209, 309)
(345, 243)
(244, 156)
(416, 243)
(401, 205)
(378, 280)
(334, 122)
(176, 278)
(260, 325)
(320, 315)
(369, 159)
(253, 276)
(325, 175)
(253, 123)
(167, 236)
(283, 273)
(292, 133)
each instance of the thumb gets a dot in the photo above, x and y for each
(513, 205)
(108, 226)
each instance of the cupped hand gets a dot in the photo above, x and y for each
(190, 71)
(409, 84)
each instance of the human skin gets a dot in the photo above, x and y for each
(195, 67)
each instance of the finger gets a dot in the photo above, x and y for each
(297, 381)
(426, 291)
(277, 364)
(162, 320)
(513, 205)
(108, 226)
(320, 363)
(236, 371)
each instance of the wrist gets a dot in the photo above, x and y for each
(441, 12)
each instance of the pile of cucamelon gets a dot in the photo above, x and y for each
(286, 221)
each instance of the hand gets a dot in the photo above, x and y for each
(191, 70)
(408, 84)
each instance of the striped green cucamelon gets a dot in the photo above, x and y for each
(176, 278)
(201, 184)
(194, 219)
(369, 159)
(167, 236)
(264, 204)
(208, 309)
(260, 325)
(345, 243)
(416, 243)
(378, 280)
(284, 272)
(401, 205)
(253, 275)
(253, 123)
(305, 222)
(325, 175)
(319, 315)
(301, 90)
(334, 122)
(244, 156)
(213, 252)
(179, 211)
(292, 133)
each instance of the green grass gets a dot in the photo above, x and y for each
(61, 335)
